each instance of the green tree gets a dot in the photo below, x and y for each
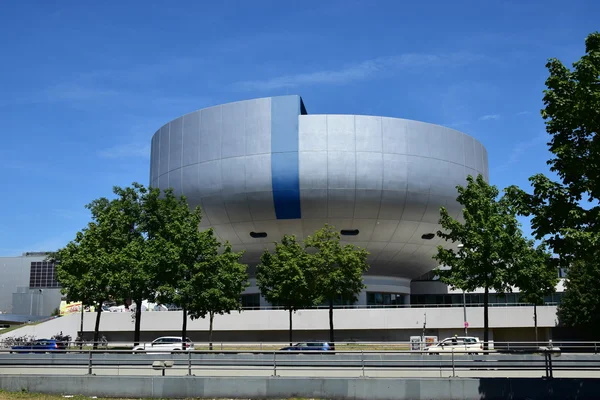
(171, 224)
(286, 277)
(492, 245)
(217, 282)
(580, 306)
(84, 268)
(339, 269)
(138, 255)
(536, 276)
(566, 213)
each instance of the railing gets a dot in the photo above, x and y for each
(346, 344)
(361, 306)
(455, 363)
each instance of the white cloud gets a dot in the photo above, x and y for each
(360, 71)
(126, 151)
(489, 117)
(520, 148)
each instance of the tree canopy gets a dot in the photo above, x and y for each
(488, 249)
(565, 213)
(286, 277)
(84, 269)
(217, 281)
(339, 269)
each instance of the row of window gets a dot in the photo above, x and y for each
(384, 299)
(477, 298)
(396, 299)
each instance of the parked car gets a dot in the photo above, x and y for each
(40, 346)
(165, 344)
(468, 344)
(309, 347)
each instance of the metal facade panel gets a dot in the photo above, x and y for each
(340, 203)
(191, 138)
(313, 169)
(395, 135)
(233, 173)
(454, 146)
(175, 143)
(233, 135)
(237, 208)
(209, 178)
(392, 204)
(367, 203)
(284, 156)
(258, 126)
(341, 170)
(213, 207)
(210, 134)
(419, 174)
(189, 183)
(314, 203)
(260, 205)
(258, 173)
(369, 134)
(395, 172)
(369, 170)
(384, 230)
(153, 160)
(415, 206)
(163, 161)
(175, 180)
(419, 137)
(340, 133)
(312, 133)
(479, 157)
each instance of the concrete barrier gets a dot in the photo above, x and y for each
(323, 388)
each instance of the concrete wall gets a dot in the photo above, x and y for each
(281, 387)
(69, 325)
(344, 319)
(511, 323)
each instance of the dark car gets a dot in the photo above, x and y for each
(309, 347)
(40, 346)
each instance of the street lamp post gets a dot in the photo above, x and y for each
(465, 313)
(464, 297)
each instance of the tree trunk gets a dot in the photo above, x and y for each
(486, 327)
(97, 327)
(184, 329)
(291, 327)
(331, 338)
(81, 328)
(535, 322)
(211, 316)
(138, 318)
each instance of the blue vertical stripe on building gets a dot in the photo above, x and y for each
(285, 172)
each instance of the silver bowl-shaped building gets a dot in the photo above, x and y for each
(263, 168)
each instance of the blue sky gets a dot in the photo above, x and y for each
(84, 85)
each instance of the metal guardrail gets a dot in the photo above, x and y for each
(358, 363)
(341, 345)
(363, 306)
